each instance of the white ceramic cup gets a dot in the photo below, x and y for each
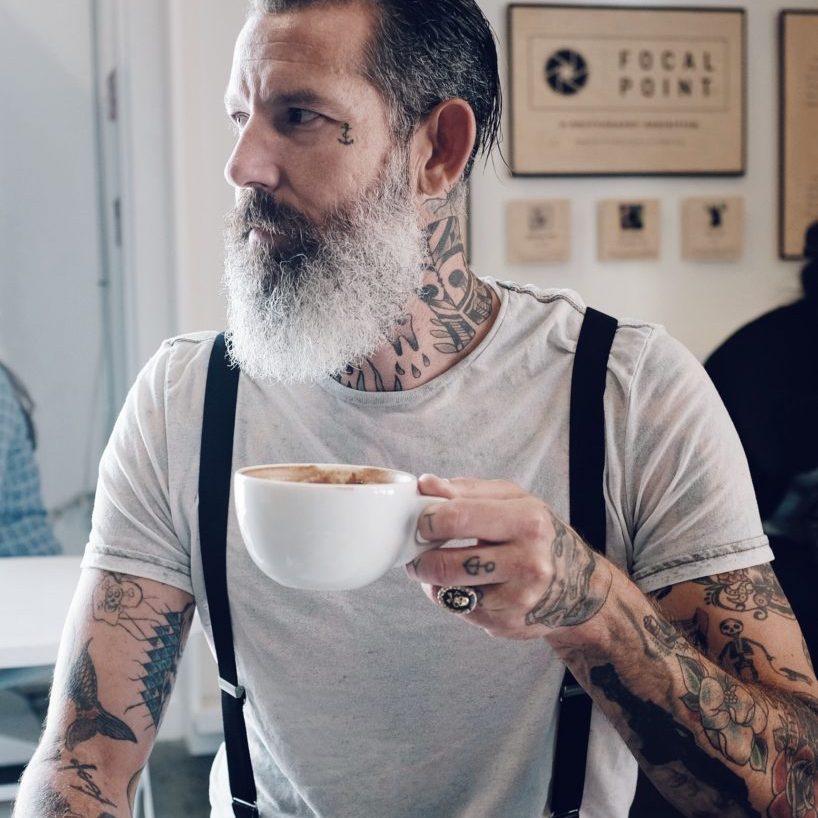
(329, 527)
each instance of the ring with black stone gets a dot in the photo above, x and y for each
(458, 599)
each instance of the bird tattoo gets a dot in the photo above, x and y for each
(92, 718)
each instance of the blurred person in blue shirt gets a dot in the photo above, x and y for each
(24, 527)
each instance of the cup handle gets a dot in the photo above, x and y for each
(416, 545)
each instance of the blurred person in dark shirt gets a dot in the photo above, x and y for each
(767, 375)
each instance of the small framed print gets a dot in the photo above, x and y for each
(798, 186)
(629, 229)
(713, 228)
(538, 230)
(615, 90)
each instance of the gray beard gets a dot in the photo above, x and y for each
(336, 296)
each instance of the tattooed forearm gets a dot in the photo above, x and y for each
(665, 742)
(570, 599)
(122, 603)
(716, 741)
(50, 803)
(162, 662)
(739, 655)
(91, 717)
(753, 590)
(88, 787)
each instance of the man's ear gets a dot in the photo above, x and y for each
(441, 148)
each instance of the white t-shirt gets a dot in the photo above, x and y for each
(376, 702)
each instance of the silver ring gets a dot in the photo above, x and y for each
(458, 599)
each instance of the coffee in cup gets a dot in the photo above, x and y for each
(327, 526)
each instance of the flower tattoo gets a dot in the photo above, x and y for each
(733, 720)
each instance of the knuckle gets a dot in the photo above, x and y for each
(530, 598)
(533, 573)
(535, 525)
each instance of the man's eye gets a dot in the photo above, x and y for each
(301, 116)
(239, 120)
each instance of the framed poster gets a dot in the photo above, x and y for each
(798, 187)
(613, 91)
(713, 228)
(629, 229)
(538, 231)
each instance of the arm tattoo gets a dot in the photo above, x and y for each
(734, 720)
(91, 717)
(668, 636)
(667, 742)
(748, 589)
(88, 786)
(761, 730)
(740, 651)
(121, 603)
(569, 599)
(794, 768)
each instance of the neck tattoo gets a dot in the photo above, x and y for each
(459, 304)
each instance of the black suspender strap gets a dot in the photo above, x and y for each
(215, 472)
(587, 506)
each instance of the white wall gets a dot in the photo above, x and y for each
(699, 302)
(50, 328)
(201, 48)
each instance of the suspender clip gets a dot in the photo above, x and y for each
(569, 691)
(571, 813)
(244, 808)
(236, 691)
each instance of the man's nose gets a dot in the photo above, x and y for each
(255, 161)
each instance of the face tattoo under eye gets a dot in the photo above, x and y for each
(345, 138)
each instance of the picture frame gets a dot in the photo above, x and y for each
(798, 128)
(712, 228)
(627, 91)
(629, 229)
(538, 231)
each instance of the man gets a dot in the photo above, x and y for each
(356, 124)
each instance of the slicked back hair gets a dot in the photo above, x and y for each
(422, 52)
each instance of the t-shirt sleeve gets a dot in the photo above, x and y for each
(687, 484)
(132, 528)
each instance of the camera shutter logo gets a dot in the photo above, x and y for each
(566, 72)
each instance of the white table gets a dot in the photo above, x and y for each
(35, 594)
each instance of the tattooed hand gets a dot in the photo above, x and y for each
(534, 574)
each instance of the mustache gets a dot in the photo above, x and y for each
(257, 209)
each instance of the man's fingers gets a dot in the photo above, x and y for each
(468, 487)
(490, 520)
(490, 565)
